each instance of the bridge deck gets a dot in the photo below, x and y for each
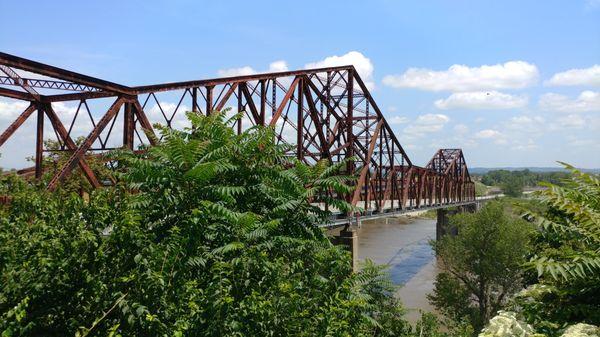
(340, 219)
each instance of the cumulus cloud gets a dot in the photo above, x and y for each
(487, 133)
(526, 124)
(588, 76)
(510, 75)
(179, 121)
(363, 65)
(586, 101)
(482, 100)
(276, 66)
(10, 110)
(571, 121)
(525, 146)
(427, 123)
(230, 72)
(491, 134)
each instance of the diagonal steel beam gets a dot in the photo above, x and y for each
(17, 123)
(144, 122)
(87, 143)
(284, 101)
(62, 132)
(365, 168)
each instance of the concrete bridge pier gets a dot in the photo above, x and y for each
(347, 237)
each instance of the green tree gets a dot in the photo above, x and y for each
(481, 265)
(566, 256)
(512, 187)
(218, 238)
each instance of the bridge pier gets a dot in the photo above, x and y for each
(347, 237)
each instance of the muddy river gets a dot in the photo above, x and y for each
(403, 245)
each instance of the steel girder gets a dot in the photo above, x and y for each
(326, 114)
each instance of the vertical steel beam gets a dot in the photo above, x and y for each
(39, 144)
(128, 126)
(263, 102)
(350, 122)
(240, 107)
(209, 99)
(195, 99)
(300, 123)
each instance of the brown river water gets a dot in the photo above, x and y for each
(403, 245)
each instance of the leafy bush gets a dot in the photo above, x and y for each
(218, 238)
(566, 256)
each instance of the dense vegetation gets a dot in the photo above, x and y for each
(218, 239)
(566, 256)
(513, 182)
(213, 234)
(526, 177)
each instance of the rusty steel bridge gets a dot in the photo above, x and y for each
(325, 113)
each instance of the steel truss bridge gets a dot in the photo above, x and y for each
(325, 113)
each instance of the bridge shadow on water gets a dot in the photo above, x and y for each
(409, 260)
(402, 245)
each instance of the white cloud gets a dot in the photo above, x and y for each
(276, 66)
(10, 110)
(487, 133)
(179, 120)
(526, 124)
(495, 135)
(510, 75)
(397, 120)
(586, 101)
(363, 65)
(588, 76)
(392, 108)
(571, 121)
(527, 146)
(481, 100)
(583, 142)
(427, 123)
(230, 72)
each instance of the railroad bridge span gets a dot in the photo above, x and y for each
(326, 114)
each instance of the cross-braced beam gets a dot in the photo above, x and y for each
(327, 114)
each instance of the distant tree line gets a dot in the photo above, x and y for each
(525, 177)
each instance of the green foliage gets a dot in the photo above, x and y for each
(480, 189)
(481, 265)
(566, 256)
(526, 177)
(512, 187)
(218, 238)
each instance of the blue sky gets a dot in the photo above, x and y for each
(514, 83)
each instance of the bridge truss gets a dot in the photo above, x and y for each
(326, 114)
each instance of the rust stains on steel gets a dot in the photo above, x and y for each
(327, 113)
